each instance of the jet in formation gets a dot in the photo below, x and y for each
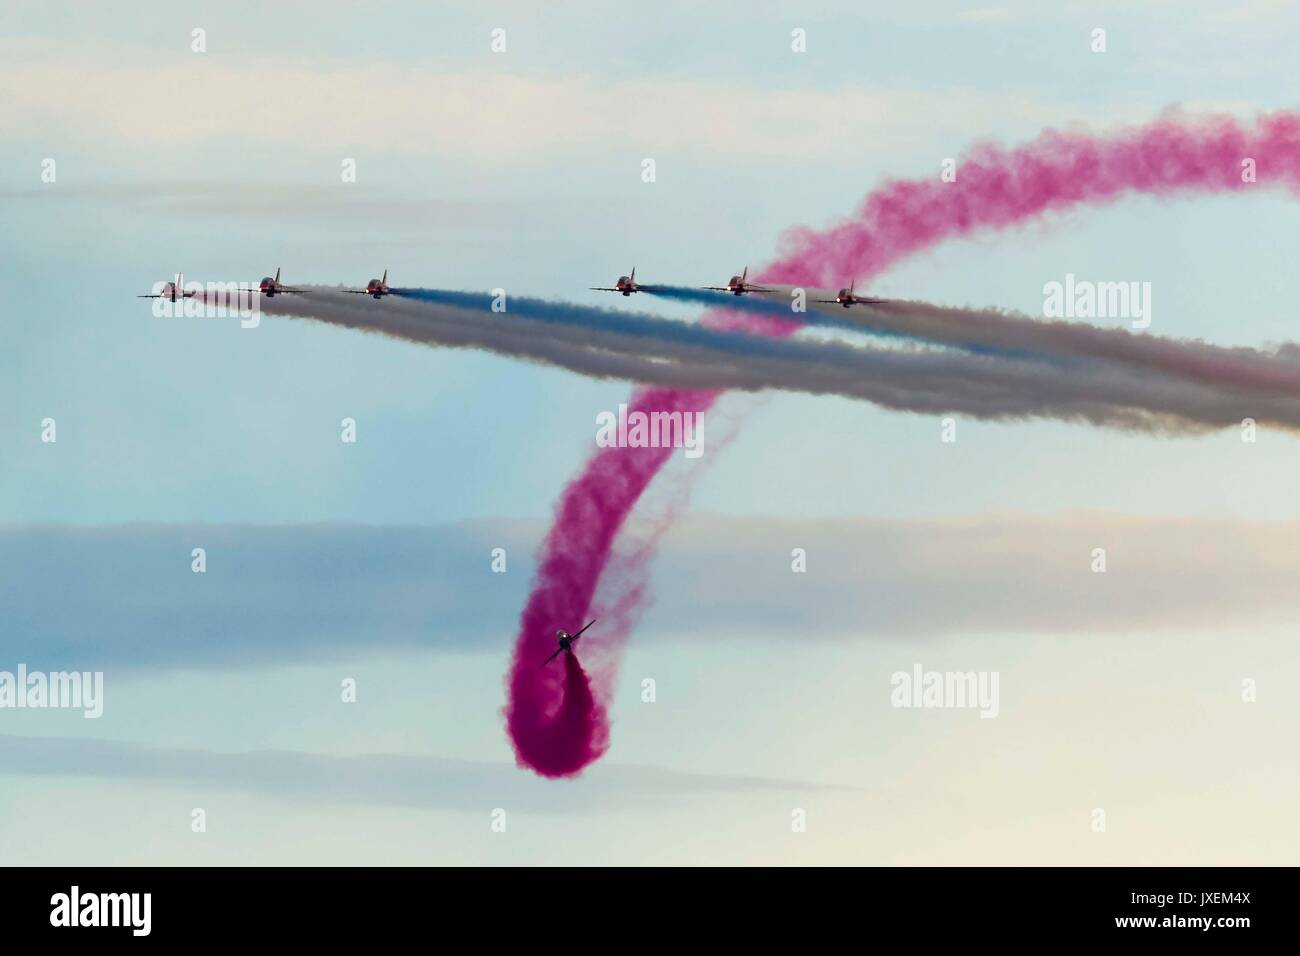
(566, 642)
(737, 285)
(376, 288)
(171, 290)
(625, 285)
(847, 297)
(270, 287)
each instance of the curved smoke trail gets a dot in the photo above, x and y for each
(995, 188)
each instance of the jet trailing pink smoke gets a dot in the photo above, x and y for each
(556, 723)
(557, 719)
(568, 728)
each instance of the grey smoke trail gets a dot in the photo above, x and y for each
(664, 352)
(1002, 332)
(1245, 368)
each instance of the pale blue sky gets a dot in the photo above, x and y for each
(522, 170)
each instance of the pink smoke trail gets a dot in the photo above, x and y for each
(551, 733)
(996, 188)
(557, 720)
(574, 734)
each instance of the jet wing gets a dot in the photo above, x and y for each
(601, 288)
(715, 288)
(584, 627)
(552, 657)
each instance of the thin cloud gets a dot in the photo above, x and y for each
(124, 596)
(392, 780)
(482, 115)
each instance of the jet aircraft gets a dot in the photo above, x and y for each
(566, 642)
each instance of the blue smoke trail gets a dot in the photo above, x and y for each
(817, 317)
(641, 325)
(657, 350)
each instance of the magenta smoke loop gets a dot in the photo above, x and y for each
(557, 718)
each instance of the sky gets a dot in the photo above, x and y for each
(370, 561)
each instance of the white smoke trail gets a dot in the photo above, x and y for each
(1101, 389)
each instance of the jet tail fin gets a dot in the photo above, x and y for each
(384, 280)
(277, 275)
